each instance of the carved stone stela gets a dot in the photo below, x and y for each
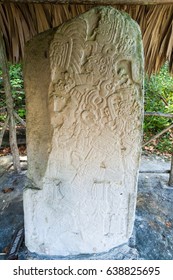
(83, 200)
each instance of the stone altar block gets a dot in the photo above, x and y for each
(84, 94)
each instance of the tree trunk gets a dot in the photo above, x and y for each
(9, 103)
(170, 183)
(3, 130)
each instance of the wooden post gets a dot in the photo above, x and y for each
(158, 135)
(9, 103)
(170, 183)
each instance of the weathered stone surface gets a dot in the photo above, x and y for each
(85, 110)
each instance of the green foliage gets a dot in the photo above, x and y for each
(159, 98)
(165, 144)
(18, 93)
(16, 80)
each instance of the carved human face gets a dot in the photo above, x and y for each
(60, 96)
(98, 64)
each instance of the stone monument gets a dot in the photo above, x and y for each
(84, 94)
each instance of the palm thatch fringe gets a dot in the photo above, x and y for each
(20, 22)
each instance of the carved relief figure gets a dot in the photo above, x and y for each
(95, 104)
(92, 83)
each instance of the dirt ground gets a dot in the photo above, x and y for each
(152, 237)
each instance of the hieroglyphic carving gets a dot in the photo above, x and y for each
(95, 94)
(95, 105)
(94, 84)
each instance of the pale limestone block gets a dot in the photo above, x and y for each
(84, 84)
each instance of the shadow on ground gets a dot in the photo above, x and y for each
(152, 238)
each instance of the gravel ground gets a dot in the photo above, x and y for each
(152, 238)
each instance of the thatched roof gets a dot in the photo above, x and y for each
(100, 2)
(20, 22)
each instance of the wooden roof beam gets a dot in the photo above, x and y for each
(100, 2)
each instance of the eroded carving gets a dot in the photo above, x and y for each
(94, 91)
(95, 105)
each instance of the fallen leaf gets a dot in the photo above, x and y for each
(7, 190)
(6, 250)
(168, 224)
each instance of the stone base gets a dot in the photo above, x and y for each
(65, 221)
(123, 252)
